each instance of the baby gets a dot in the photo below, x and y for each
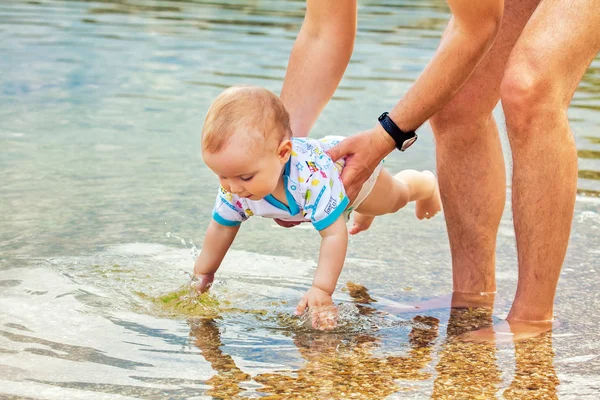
(263, 170)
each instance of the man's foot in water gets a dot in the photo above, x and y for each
(454, 300)
(510, 331)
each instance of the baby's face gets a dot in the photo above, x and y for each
(248, 174)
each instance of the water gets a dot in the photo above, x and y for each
(103, 195)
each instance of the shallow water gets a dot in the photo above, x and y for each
(104, 196)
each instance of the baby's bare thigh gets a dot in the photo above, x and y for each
(387, 196)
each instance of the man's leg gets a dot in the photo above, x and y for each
(470, 164)
(545, 67)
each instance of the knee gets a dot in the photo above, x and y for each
(529, 96)
(461, 122)
(457, 131)
(401, 202)
(456, 115)
(401, 194)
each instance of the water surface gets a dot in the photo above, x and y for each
(104, 198)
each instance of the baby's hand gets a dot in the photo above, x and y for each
(203, 282)
(323, 312)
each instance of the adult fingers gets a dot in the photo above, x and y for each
(340, 150)
(350, 181)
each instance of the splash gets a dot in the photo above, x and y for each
(186, 302)
(194, 252)
(350, 319)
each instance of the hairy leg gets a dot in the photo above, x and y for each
(545, 67)
(470, 164)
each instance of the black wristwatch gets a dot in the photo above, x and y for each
(403, 139)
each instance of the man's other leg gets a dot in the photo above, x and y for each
(470, 164)
(544, 69)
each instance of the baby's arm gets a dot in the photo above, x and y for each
(217, 241)
(331, 260)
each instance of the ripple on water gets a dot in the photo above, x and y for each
(137, 277)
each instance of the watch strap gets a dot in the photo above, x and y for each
(402, 139)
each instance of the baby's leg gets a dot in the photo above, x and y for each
(361, 222)
(386, 197)
(392, 193)
(424, 190)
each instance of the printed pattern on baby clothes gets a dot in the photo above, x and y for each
(314, 190)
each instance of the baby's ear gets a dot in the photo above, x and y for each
(284, 150)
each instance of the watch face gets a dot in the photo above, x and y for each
(408, 142)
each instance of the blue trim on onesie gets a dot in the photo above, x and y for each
(276, 203)
(228, 204)
(331, 218)
(224, 221)
(292, 207)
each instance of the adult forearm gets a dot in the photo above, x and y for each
(455, 60)
(318, 60)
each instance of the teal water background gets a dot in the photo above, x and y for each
(101, 105)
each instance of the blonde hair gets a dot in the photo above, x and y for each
(260, 113)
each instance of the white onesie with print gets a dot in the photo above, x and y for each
(313, 189)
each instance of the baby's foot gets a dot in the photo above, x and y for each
(361, 223)
(427, 208)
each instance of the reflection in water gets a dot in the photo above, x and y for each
(347, 366)
(70, 352)
(207, 338)
(337, 365)
(341, 366)
(469, 370)
(535, 376)
(466, 368)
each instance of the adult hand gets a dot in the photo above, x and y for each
(363, 152)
